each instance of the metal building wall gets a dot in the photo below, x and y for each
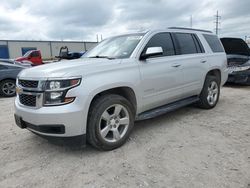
(15, 48)
(49, 49)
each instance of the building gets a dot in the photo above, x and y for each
(10, 49)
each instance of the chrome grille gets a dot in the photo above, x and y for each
(28, 83)
(27, 100)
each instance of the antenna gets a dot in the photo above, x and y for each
(217, 22)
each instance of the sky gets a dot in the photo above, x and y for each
(84, 19)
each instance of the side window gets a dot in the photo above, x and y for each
(35, 54)
(184, 43)
(163, 40)
(198, 44)
(214, 43)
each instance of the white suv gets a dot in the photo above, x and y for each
(125, 78)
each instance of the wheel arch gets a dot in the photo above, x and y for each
(124, 91)
(7, 79)
(215, 72)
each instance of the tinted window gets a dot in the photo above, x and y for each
(184, 43)
(198, 44)
(163, 40)
(35, 54)
(214, 43)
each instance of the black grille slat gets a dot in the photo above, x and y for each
(28, 100)
(28, 83)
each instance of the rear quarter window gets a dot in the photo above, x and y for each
(214, 43)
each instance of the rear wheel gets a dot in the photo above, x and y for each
(8, 88)
(110, 122)
(210, 93)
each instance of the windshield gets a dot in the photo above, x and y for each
(116, 47)
(27, 54)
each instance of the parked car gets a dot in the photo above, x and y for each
(8, 74)
(23, 64)
(75, 55)
(64, 53)
(124, 78)
(33, 56)
(238, 57)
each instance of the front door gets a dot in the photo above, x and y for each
(161, 75)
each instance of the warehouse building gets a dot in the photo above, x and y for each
(10, 49)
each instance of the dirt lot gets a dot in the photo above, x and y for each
(187, 148)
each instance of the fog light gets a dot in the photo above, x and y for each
(55, 95)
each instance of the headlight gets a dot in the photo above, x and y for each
(56, 90)
(55, 85)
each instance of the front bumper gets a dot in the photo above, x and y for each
(55, 121)
(241, 77)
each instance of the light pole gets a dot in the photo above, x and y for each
(246, 37)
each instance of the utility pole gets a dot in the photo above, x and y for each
(97, 38)
(217, 22)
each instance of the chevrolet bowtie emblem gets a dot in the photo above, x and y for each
(19, 90)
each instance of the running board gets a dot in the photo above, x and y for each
(167, 108)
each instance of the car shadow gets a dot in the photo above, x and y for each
(143, 127)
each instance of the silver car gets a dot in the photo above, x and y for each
(125, 78)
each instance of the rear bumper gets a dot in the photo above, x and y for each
(242, 77)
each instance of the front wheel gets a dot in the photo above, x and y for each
(210, 93)
(110, 122)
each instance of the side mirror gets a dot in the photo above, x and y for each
(152, 51)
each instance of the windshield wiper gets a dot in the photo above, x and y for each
(100, 56)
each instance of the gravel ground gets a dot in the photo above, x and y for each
(186, 148)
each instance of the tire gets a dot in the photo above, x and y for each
(110, 121)
(210, 93)
(8, 88)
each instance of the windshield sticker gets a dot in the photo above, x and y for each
(134, 38)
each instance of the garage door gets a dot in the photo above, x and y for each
(4, 52)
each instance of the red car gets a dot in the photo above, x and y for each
(33, 56)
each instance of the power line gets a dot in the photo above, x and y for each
(217, 22)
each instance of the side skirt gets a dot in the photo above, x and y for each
(166, 108)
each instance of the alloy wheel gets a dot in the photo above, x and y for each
(9, 88)
(212, 93)
(114, 123)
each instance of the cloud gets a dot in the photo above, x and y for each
(83, 19)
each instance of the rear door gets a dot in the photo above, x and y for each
(191, 56)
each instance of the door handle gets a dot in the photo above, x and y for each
(203, 61)
(176, 65)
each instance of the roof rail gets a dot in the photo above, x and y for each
(191, 29)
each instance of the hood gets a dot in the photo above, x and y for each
(20, 58)
(235, 46)
(78, 67)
